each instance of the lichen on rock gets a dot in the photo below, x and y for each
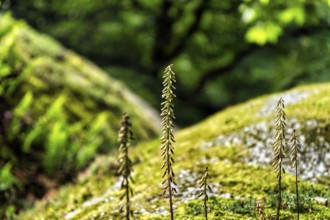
(229, 143)
(258, 137)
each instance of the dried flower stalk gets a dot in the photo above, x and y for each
(205, 188)
(278, 147)
(167, 138)
(294, 149)
(125, 135)
(261, 214)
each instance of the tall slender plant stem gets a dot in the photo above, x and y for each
(205, 188)
(278, 147)
(294, 148)
(205, 201)
(297, 193)
(124, 136)
(167, 139)
(279, 202)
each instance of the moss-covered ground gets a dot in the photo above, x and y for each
(236, 182)
(57, 111)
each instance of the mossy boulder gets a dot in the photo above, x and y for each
(236, 145)
(57, 111)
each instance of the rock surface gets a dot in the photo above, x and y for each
(236, 145)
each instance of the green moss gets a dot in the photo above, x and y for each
(236, 184)
(74, 108)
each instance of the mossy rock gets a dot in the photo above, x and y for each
(235, 145)
(57, 110)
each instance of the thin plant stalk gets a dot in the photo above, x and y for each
(125, 135)
(167, 139)
(205, 188)
(261, 214)
(278, 147)
(294, 148)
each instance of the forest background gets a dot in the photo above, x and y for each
(224, 52)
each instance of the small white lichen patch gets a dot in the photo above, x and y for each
(290, 97)
(314, 157)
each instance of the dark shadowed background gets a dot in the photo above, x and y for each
(223, 52)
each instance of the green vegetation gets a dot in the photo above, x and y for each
(236, 183)
(168, 137)
(57, 112)
(216, 46)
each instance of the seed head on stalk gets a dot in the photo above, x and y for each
(278, 148)
(125, 135)
(167, 139)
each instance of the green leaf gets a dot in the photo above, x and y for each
(7, 179)
(24, 105)
(265, 32)
(293, 14)
(4, 70)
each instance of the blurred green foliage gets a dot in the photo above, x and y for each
(7, 184)
(7, 180)
(224, 51)
(57, 112)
